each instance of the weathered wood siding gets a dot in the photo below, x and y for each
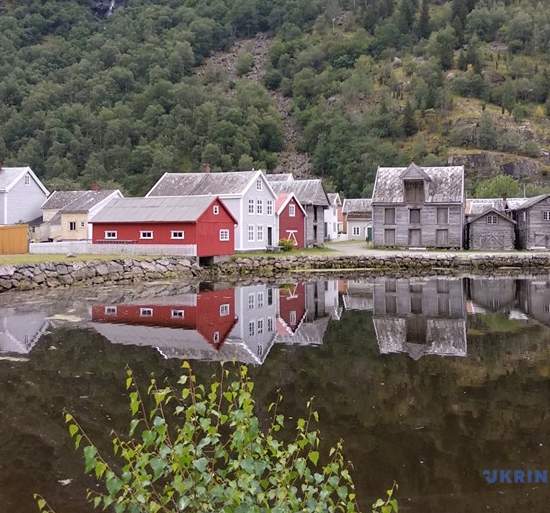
(14, 240)
(428, 225)
(533, 231)
(315, 228)
(499, 236)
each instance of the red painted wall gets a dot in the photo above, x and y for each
(291, 299)
(204, 233)
(292, 223)
(204, 317)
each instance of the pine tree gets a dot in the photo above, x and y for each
(424, 20)
(487, 136)
(406, 16)
(409, 120)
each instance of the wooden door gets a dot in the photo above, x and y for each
(415, 238)
(442, 238)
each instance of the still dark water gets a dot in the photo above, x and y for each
(428, 381)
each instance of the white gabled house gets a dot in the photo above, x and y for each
(247, 194)
(21, 195)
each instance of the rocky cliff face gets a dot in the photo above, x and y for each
(105, 8)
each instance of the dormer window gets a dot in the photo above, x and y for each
(414, 191)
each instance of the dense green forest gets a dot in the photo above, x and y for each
(117, 100)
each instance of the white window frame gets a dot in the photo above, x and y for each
(216, 210)
(260, 299)
(269, 208)
(111, 310)
(111, 235)
(260, 233)
(146, 312)
(259, 207)
(251, 301)
(177, 314)
(71, 224)
(251, 328)
(27, 179)
(546, 215)
(225, 310)
(356, 230)
(250, 233)
(259, 184)
(492, 219)
(293, 317)
(216, 337)
(292, 210)
(251, 208)
(173, 235)
(270, 324)
(142, 236)
(224, 235)
(259, 327)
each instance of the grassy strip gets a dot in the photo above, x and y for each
(40, 259)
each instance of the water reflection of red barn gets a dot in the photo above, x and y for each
(210, 313)
(292, 308)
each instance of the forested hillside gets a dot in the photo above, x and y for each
(94, 95)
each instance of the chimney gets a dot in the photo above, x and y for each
(206, 167)
(95, 187)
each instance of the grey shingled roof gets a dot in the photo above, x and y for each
(192, 184)
(10, 174)
(446, 184)
(60, 199)
(357, 205)
(279, 177)
(529, 202)
(308, 192)
(476, 206)
(153, 209)
(491, 210)
(87, 201)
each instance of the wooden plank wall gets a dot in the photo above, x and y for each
(14, 239)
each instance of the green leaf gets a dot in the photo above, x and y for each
(100, 469)
(73, 429)
(89, 458)
(200, 464)
(313, 457)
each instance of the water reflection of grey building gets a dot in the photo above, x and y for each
(358, 295)
(491, 295)
(20, 330)
(534, 298)
(420, 317)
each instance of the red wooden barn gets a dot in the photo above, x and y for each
(203, 223)
(209, 313)
(292, 219)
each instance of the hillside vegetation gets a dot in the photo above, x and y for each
(352, 83)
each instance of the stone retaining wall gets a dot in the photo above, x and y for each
(123, 270)
(270, 266)
(129, 270)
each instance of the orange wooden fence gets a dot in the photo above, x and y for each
(14, 239)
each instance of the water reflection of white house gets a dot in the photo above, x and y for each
(20, 330)
(358, 295)
(420, 317)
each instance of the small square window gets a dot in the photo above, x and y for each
(492, 219)
(414, 216)
(147, 235)
(389, 216)
(224, 310)
(111, 235)
(546, 215)
(178, 314)
(110, 310)
(224, 235)
(250, 206)
(178, 235)
(356, 230)
(292, 210)
(146, 312)
(216, 210)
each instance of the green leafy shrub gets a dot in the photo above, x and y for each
(202, 448)
(245, 61)
(286, 244)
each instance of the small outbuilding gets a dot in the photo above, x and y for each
(292, 219)
(202, 223)
(491, 230)
(358, 218)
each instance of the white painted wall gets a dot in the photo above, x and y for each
(24, 202)
(331, 219)
(87, 248)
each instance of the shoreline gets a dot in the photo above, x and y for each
(49, 275)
